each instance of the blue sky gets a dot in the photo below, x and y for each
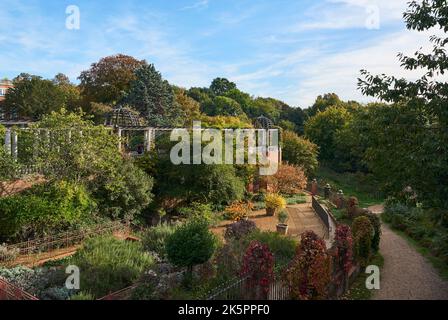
(291, 50)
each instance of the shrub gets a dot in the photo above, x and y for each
(108, 264)
(82, 296)
(229, 260)
(44, 208)
(154, 239)
(214, 184)
(283, 216)
(309, 274)
(275, 202)
(191, 244)
(200, 211)
(44, 283)
(8, 254)
(238, 210)
(125, 193)
(397, 214)
(239, 229)
(344, 245)
(376, 224)
(8, 166)
(258, 265)
(289, 180)
(363, 233)
(283, 248)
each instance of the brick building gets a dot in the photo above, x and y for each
(4, 86)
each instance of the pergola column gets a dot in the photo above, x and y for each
(148, 139)
(8, 141)
(14, 138)
(119, 139)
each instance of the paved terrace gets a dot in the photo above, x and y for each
(301, 218)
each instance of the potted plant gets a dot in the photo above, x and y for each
(282, 227)
(274, 203)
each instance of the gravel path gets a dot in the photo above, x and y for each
(406, 274)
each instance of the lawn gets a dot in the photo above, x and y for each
(352, 184)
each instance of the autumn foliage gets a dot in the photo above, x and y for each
(344, 245)
(289, 179)
(258, 266)
(309, 274)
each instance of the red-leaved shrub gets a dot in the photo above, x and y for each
(258, 266)
(344, 245)
(309, 274)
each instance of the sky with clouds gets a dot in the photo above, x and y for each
(292, 50)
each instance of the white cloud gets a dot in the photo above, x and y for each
(197, 5)
(345, 14)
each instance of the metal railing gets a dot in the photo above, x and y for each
(9, 291)
(33, 248)
(243, 288)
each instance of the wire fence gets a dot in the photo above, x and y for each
(47, 247)
(244, 288)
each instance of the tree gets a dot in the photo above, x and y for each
(33, 97)
(220, 86)
(322, 103)
(299, 151)
(322, 128)
(223, 106)
(153, 97)
(289, 180)
(191, 244)
(71, 92)
(68, 147)
(189, 106)
(425, 100)
(215, 184)
(108, 79)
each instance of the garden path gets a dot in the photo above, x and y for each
(406, 274)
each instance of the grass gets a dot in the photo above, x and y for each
(296, 199)
(358, 290)
(352, 184)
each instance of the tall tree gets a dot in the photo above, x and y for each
(153, 97)
(108, 79)
(32, 97)
(220, 86)
(426, 99)
(322, 103)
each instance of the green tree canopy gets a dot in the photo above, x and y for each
(153, 97)
(33, 97)
(421, 118)
(220, 86)
(108, 79)
(299, 151)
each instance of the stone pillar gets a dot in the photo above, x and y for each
(14, 149)
(8, 141)
(119, 139)
(149, 140)
(340, 200)
(314, 187)
(327, 191)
